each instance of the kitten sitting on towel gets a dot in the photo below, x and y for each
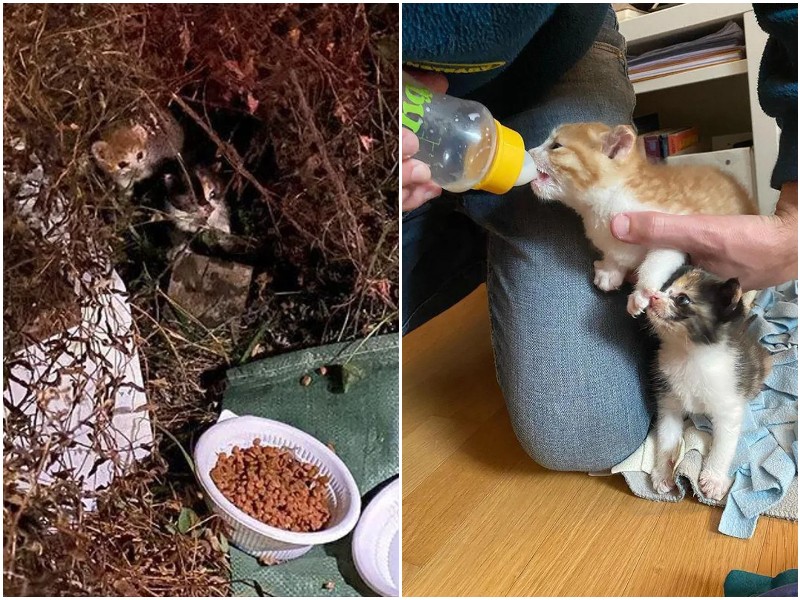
(599, 172)
(707, 364)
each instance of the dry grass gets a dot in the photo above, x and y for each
(316, 197)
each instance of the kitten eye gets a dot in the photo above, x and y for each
(140, 155)
(122, 164)
(682, 300)
(212, 195)
(555, 146)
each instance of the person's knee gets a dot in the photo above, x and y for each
(584, 454)
(565, 428)
(572, 373)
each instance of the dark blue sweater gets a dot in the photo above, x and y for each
(520, 49)
(777, 82)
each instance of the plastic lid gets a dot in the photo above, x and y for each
(507, 164)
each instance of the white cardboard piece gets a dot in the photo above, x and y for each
(736, 161)
(57, 390)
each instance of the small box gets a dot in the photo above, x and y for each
(680, 141)
(668, 142)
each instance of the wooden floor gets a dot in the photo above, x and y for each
(480, 518)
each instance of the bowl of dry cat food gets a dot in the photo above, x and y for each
(279, 490)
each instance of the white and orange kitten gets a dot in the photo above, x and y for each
(600, 171)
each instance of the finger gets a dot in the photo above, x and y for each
(420, 195)
(415, 173)
(434, 81)
(688, 233)
(410, 143)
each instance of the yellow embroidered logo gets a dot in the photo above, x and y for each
(456, 67)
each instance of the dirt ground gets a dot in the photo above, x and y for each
(297, 106)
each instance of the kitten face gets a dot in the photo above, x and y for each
(579, 156)
(695, 304)
(212, 186)
(196, 207)
(124, 155)
(214, 192)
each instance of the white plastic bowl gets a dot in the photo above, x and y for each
(251, 535)
(376, 542)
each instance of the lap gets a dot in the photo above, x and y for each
(570, 361)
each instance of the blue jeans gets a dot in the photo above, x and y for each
(571, 363)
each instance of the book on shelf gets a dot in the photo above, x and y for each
(725, 45)
(686, 65)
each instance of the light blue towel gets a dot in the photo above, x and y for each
(766, 459)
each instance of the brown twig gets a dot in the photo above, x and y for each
(334, 175)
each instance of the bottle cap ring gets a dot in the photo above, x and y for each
(507, 163)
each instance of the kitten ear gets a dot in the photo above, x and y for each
(99, 151)
(730, 295)
(619, 142)
(140, 132)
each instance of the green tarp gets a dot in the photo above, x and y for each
(354, 407)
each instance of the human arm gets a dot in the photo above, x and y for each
(760, 250)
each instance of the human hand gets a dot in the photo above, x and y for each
(417, 185)
(761, 251)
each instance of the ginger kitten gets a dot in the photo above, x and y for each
(600, 171)
(707, 364)
(132, 151)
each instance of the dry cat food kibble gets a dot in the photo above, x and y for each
(273, 486)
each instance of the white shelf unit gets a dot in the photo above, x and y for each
(686, 18)
(719, 99)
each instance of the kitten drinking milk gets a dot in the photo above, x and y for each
(599, 172)
(707, 364)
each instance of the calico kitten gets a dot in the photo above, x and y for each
(707, 364)
(214, 192)
(599, 172)
(197, 204)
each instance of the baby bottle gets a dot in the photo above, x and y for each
(464, 146)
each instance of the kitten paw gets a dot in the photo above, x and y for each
(638, 301)
(713, 485)
(663, 479)
(605, 278)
